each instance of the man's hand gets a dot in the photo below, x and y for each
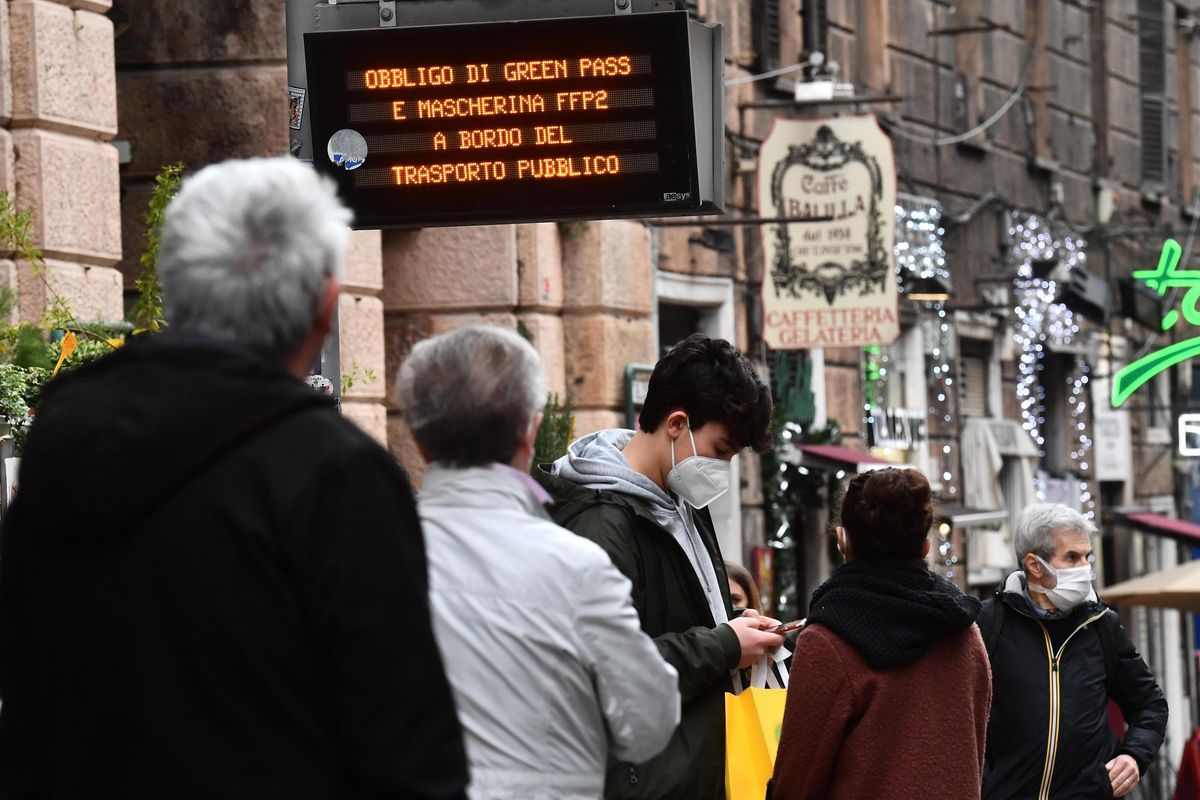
(754, 640)
(1123, 773)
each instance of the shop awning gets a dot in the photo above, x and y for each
(1165, 526)
(965, 517)
(831, 456)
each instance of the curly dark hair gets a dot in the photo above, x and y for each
(711, 380)
(887, 513)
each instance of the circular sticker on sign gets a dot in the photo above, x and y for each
(348, 149)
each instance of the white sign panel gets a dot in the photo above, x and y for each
(1189, 435)
(830, 276)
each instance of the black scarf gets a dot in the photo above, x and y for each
(891, 610)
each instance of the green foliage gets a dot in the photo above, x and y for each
(29, 352)
(147, 311)
(30, 348)
(20, 392)
(556, 433)
(357, 373)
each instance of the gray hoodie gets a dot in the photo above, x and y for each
(595, 461)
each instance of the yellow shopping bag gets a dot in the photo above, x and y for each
(752, 723)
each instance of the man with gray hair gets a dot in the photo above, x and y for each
(213, 585)
(1058, 654)
(544, 649)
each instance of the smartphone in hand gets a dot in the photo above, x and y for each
(787, 627)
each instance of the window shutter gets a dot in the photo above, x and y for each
(972, 386)
(1152, 72)
(767, 34)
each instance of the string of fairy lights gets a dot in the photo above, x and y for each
(921, 255)
(1042, 322)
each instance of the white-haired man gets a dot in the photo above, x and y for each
(550, 668)
(1058, 654)
(213, 585)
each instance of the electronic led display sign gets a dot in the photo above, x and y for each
(572, 118)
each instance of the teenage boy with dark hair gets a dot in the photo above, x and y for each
(641, 495)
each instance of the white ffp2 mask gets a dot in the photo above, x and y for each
(698, 480)
(1072, 586)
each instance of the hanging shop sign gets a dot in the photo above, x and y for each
(1166, 276)
(550, 119)
(897, 428)
(830, 279)
(1113, 458)
(1189, 435)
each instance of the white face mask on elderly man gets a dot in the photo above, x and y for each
(698, 480)
(1072, 586)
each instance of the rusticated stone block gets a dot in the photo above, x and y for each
(168, 31)
(590, 420)
(368, 415)
(91, 294)
(5, 74)
(607, 266)
(98, 6)
(401, 444)
(363, 271)
(63, 76)
(450, 268)
(539, 266)
(360, 340)
(546, 333)
(402, 331)
(72, 186)
(202, 116)
(598, 347)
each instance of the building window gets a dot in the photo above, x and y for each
(973, 378)
(1184, 29)
(1152, 74)
(1056, 429)
(676, 322)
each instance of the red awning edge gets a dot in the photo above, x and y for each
(1164, 525)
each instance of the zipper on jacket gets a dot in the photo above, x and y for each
(1055, 685)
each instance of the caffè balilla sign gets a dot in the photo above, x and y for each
(830, 278)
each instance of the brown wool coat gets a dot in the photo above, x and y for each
(915, 732)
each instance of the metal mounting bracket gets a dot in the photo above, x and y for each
(387, 13)
(622, 6)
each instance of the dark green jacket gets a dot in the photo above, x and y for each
(675, 613)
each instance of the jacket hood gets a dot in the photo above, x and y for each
(115, 437)
(891, 611)
(596, 461)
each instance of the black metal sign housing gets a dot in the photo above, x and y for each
(574, 118)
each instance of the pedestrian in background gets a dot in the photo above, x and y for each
(642, 496)
(550, 669)
(889, 689)
(213, 584)
(1058, 654)
(743, 591)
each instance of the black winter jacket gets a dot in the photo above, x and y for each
(213, 586)
(1048, 736)
(675, 613)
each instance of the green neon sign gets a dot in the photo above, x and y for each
(1165, 276)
